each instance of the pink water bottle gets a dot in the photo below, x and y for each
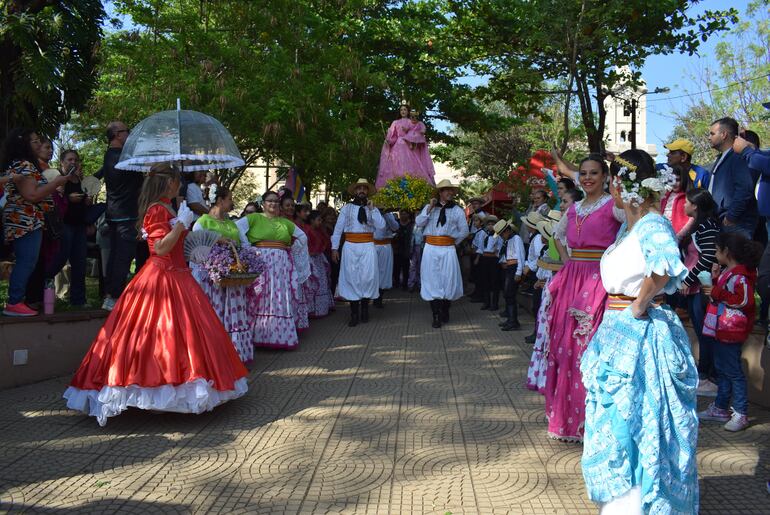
(49, 298)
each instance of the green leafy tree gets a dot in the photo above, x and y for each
(521, 45)
(48, 61)
(306, 83)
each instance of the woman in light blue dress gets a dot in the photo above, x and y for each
(641, 431)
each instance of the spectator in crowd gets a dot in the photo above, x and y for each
(729, 319)
(249, 208)
(73, 246)
(194, 194)
(730, 183)
(700, 256)
(122, 207)
(680, 153)
(53, 227)
(402, 249)
(474, 208)
(46, 152)
(28, 197)
(673, 202)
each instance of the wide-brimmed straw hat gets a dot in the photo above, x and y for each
(532, 219)
(490, 218)
(554, 215)
(446, 183)
(362, 182)
(503, 225)
(545, 228)
(475, 199)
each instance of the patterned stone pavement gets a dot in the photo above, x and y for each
(388, 417)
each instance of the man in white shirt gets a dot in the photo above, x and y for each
(444, 227)
(359, 278)
(194, 195)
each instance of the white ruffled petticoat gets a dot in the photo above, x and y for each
(196, 397)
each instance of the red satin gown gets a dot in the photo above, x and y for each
(163, 347)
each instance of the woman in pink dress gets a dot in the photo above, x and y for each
(578, 298)
(405, 150)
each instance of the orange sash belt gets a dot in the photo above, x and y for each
(386, 241)
(266, 244)
(440, 241)
(359, 237)
(587, 254)
(491, 254)
(512, 262)
(621, 302)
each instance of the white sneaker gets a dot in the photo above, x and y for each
(108, 304)
(737, 422)
(706, 388)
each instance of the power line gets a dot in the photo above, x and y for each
(744, 81)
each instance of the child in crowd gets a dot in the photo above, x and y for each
(490, 275)
(700, 256)
(511, 263)
(729, 320)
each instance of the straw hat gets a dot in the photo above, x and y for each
(532, 219)
(490, 219)
(554, 215)
(475, 199)
(503, 225)
(362, 182)
(446, 183)
(545, 228)
(91, 185)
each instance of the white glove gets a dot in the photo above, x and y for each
(185, 215)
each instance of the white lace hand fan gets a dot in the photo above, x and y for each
(197, 245)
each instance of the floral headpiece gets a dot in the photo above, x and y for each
(634, 192)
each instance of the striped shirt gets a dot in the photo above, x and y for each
(705, 240)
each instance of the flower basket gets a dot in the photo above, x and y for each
(407, 192)
(227, 266)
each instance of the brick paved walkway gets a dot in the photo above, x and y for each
(389, 417)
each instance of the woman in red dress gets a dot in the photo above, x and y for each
(163, 347)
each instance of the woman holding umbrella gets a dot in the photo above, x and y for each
(163, 347)
(277, 287)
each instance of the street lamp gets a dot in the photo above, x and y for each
(634, 105)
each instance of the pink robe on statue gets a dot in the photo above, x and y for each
(398, 158)
(577, 306)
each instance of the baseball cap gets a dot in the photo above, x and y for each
(681, 144)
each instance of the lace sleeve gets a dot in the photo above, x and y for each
(560, 230)
(660, 250)
(619, 214)
(299, 253)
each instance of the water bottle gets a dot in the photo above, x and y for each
(49, 297)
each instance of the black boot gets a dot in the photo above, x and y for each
(445, 305)
(531, 338)
(495, 305)
(511, 326)
(364, 310)
(508, 314)
(435, 306)
(378, 301)
(486, 298)
(354, 307)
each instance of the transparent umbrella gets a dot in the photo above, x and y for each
(194, 140)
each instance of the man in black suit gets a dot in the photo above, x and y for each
(731, 184)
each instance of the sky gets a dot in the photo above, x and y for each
(674, 71)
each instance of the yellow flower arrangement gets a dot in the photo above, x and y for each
(407, 192)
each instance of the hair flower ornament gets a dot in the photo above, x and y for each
(633, 192)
